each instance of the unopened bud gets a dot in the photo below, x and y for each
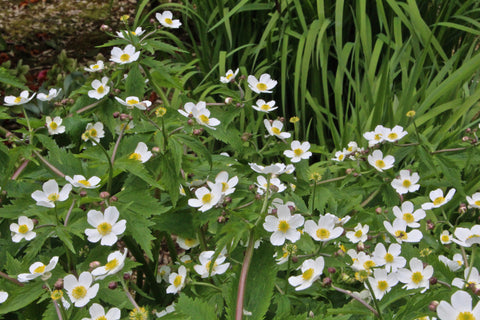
(105, 28)
(246, 136)
(112, 285)
(113, 198)
(155, 149)
(360, 246)
(430, 225)
(258, 196)
(83, 193)
(378, 210)
(35, 221)
(433, 306)
(126, 276)
(123, 116)
(294, 259)
(116, 114)
(197, 132)
(468, 130)
(228, 100)
(355, 174)
(465, 139)
(327, 282)
(331, 270)
(104, 194)
(58, 284)
(292, 209)
(274, 211)
(227, 200)
(190, 122)
(433, 280)
(274, 188)
(94, 264)
(221, 219)
(474, 141)
(251, 187)
(349, 171)
(311, 314)
(462, 208)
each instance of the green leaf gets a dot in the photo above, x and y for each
(135, 83)
(195, 145)
(66, 238)
(8, 79)
(195, 308)
(20, 297)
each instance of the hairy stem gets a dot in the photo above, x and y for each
(20, 169)
(49, 165)
(350, 294)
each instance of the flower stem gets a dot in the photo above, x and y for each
(49, 165)
(5, 276)
(30, 131)
(375, 302)
(350, 294)
(288, 272)
(117, 143)
(57, 309)
(20, 169)
(206, 284)
(129, 295)
(110, 169)
(243, 275)
(68, 213)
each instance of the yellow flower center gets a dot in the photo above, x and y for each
(92, 132)
(392, 136)
(95, 67)
(132, 101)
(358, 233)
(308, 274)
(377, 137)
(17, 100)
(224, 186)
(133, 32)
(53, 196)
(160, 111)
(168, 21)
(85, 183)
(190, 242)
(177, 281)
(111, 264)
(135, 156)
(438, 200)
(380, 164)
(445, 238)
(283, 226)
(382, 285)
(275, 130)
(229, 76)
(39, 269)
(53, 125)
(265, 107)
(100, 89)
(368, 264)
(125, 57)
(417, 277)
(298, 152)
(408, 217)
(207, 198)
(466, 315)
(401, 235)
(411, 114)
(406, 183)
(209, 266)
(101, 318)
(323, 233)
(340, 157)
(56, 294)
(104, 228)
(204, 118)
(79, 292)
(477, 203)
(261, 86)
(389, 258)
(22, 229)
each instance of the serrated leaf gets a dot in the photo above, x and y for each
(20, 297)
(135, 82)
(195, 145)
(8, 79)
(66, 238)
(195, 308)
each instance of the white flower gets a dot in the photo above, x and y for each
(93, 132)
(263, 185)
(133, 101)
(263, 85)
(407, 214)
(395, 134)
(177, 280)
(165, 18)
(141, 153)
(391, 259)
(97, 312)
(228, 185)
(106, 226)
(311, 271)
(466, 237)
(229, 76)
(359, 233)
(54, 126)
(190, 106)
(168, 309)
(417, 276)
(187, 243)
(115, 263)
(52, 94)
(299, 151)
(80, 291)
(275, 129)
(21, 99)
(80, 181)
(163, 273)
(23, 229)
(186, 259)
(38, 269)
(284, 226)
(203, 117)
(263, 106)
(100, 89)
(50, 194)
(340, 155)
(455, 264)
(445, 237)
(438, 199)
(460, 309)
(399, 231)
(121, 126)
(138, 32)
(474, 200)
(206, 269)
(471, 279)
(206, 199)
(352, 147)
(95, 67)
(376, 136)
(324, 230)
(380, 163)
(273, 169)
(405, 182)
(382, 282)
(124, 56)
(361, 260)
(3, 296)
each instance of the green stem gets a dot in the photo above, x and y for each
(129, 296)
(375, 302)
(110, 168)
(350, 294)
(206, 284)
(288, 273)
(30, 131)
(243, 275)
(446, 219)
(472, 259)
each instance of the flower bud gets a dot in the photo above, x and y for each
(462, 208)
(331, 270)
(58, 284)
(35, 221)
(221, 219)
(116, 114)
(468, 130)
(113, 198)
(294, 259)
(378, 210)
(465, 139)
(433, 280)
(112, 285)
(433, 306)
(246, 136)
(258, 197)
(349, 170)
(430, 225)
(327, 282)
(83, 193)
(105, 28)
(228, 100)
(197, 132)
(94, 264)
(190, 122)
(126, 276)
(360, 246)
(274, 211)
(104, 194)
(123, 116)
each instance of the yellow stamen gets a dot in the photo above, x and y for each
(392, 136)
(368, 264)
(408, 217)
(53, 196)
(207, 198)
(177, 281)
(401, 235)
(53, 125)
(204, 118)
(261, 86)
(17, 100)
(135, 156)
(125, 57)
(85, 183)
(283, 226)
(100, 89)
(389, 258)
(417, 277)
(79, 292)
(111, 264)
(466, 315)
(323, 233)
(132, 101)
(168, 21)
(308, 274)
(438, 200)
(477, 203)
(276, 131)
(380, 164)
(382, 285)
(358, 233)
(23, 229)
(104, 228)
(39, 269)
(377, 137)
(298, 152)
(265, 107)
(229, 76)
(190, 242)
(406, 183)
(445, 238)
